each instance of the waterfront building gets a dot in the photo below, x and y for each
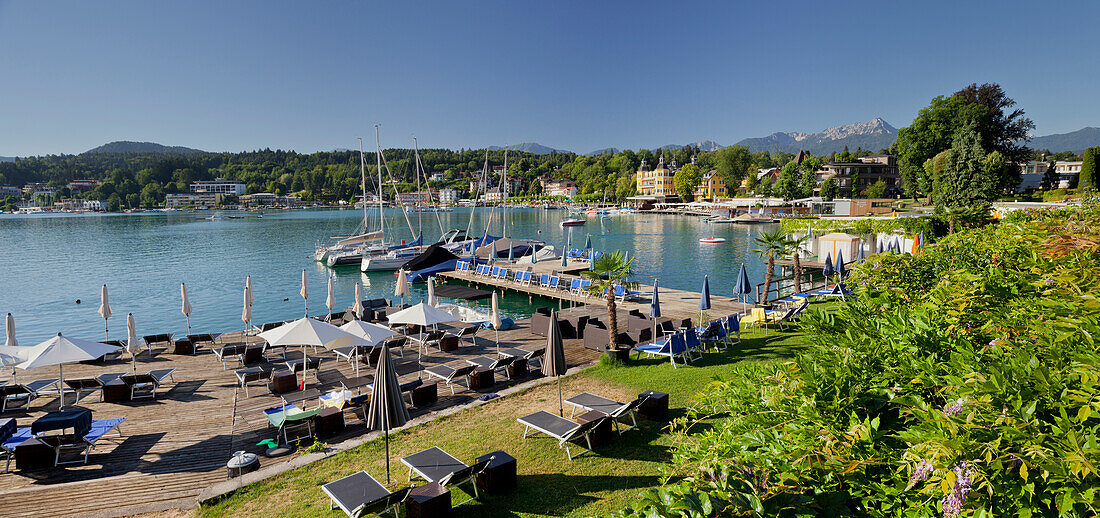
(448, 196)
(194, 199)
(657, 182)
(437, 177)
(711, 188)
(412, 198)
(1068, 173)
(10, 190)
(857, 176)
(83, 185)
(263, 199)
(566, 188)
(220, 186)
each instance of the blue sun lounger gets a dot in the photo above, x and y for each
(672, 346)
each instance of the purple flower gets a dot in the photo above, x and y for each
(878, 266)
(955, 408)
(923, 471)
(1049, 281)
(952, 503)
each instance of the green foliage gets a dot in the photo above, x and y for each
(611, 269)
(829, 189)
(788, 185)
(771, 244)
(876, 190)
(686, 180)
(732, 164)
(807, 183)
(967, 180)
(964, 380)
(1087, 178)
(862, 227)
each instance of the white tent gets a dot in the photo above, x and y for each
(60, 350)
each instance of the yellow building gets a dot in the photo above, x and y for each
(711, 188)
(657, 182)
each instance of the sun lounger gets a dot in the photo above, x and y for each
(436, 465)
(357, 384)
(351, 352)
(495, 364)
(10, 438)
(450, 375)
(430, 339)
(614, 409)
(359, 494)
(146, 385)
(560, 428)
(529, 356)
(289, 418)
(18, 395)
(671, 346)
(164, 339)
(89, 385)
(250, 375)
(82, 445)
(467, 332)
(230, 352)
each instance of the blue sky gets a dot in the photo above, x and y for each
(309, 76)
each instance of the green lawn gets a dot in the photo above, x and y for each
(549, 484)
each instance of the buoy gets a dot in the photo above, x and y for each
(712, 240)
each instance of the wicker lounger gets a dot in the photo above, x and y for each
(560, 428)
(359, 494)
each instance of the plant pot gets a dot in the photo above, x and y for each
(620, 355)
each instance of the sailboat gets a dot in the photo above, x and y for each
(345, 245)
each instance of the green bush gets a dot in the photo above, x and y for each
(964, 380)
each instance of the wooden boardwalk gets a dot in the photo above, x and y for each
(176, 445)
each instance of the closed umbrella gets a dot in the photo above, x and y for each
(60, 350)
(305, 293)
(565, 256)
(916, 245)
(861, 256)
(387, 408)
(186, 306)
(492, 252)
(512, 253)
(654, 309)
(496, 321)
(742, 287)
(588, 241)
(553, 363)
(431, 291)
(704, 298)
(897, 245)
(11, 354)
(840, 263)
(828, 270)
(248, 286)
(104, 310)
(591, 260)
(880, 249)
(921, 240)
(246, 314)
(402, 288)
(330, 301)
(534, 255)
(132, 343)
(357, 307)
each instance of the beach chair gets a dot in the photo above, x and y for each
(839, 290)
(359, 494)
(83, 445)
(714, 334)
(693, 344)
(615, 410)
(84, 386)
(544, 281)
(351, 352)
(19, 395)
(732, 325)
(468, 332)
(560, 428)
(162, 339)
(230, 352)
(756, 317)
(146, 385)
(585, 284)
(450, 375)
(574, 286)
(10, 438)
(502, 274)
(499, 363)
(671, 346)
(436, 465)
(517, 277)
(288, 419)
(783, 319)
(552, 284)
(251, 375)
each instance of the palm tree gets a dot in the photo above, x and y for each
(610, 270)
(771, 244)
(794, 247)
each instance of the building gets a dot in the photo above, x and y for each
(266, 199)
(1068, 173)
(220, 186)
(193, 199)
(10, 190)
(449, 196)
(711, 187)
(657, 182)
(559, 188)
(482, 185)
(413, 198)
(83, 185)
(857, 176)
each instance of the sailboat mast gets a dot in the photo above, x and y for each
(378, 160)
(419, 211)
(363, 178)
(504, 198)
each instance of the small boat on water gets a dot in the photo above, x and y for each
(573, 222)
(712, 240)
(719, 220)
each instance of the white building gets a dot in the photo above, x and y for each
(1068, 172)
(10, 190)
(448, 196)
(194, 199)
(219, 185)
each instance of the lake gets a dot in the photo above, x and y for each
(50, 261)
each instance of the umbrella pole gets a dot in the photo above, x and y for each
(561, 408)
(61, 384)
(386, 430)
(188, 324)
(105, 336)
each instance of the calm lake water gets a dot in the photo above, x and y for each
(50, 261)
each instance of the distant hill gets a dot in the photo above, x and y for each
(1075, 141)
(604, 151)
(703, 145)
(126, 146)
(872, 135)
(7, 159)
(529, 147)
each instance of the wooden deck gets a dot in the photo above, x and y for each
(176, 445)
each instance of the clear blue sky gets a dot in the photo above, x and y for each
(313, 76)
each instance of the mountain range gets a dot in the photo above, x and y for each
(873, 135)
(7, 159)
(529, 147)
(1075, 141)
(126, 146)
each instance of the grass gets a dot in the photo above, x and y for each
(595, 484)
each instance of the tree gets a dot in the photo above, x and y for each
(1050, 177)
(732, 164)
(114, 202)
(809, 181)
(829, 189)
(794, 248)
(535, 189)
(152, 195)
(770, 245)
(967, 181)
(876, 190)
(788, 184)
(1087, 178)
(765, 186)
(686, 180)
(933, 170)
(610, 270)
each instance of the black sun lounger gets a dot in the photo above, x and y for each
(359, 494)
(614, 409)
(499, 364)
(88, 385)
(19, 395)
(146, 385)
(436, 465)
(450, 375)
(230, 352)
(251, 374)
(561, 429)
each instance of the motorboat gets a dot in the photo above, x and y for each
(573, 222)
(712, 240)
(388, 261)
